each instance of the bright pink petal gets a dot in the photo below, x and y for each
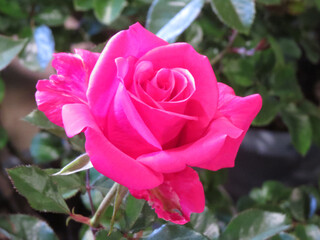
(204, 101)
(240, 111)
(177, 197)
(68, 86)
(76, 118)
(134, 42)
(125, 127)
(113, 163)
(194, 154)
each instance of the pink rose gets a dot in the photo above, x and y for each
(150, 111)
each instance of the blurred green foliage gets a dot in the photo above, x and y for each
(262, 46)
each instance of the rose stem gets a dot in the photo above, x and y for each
(226, 49)
(88, 187)
(95, 220)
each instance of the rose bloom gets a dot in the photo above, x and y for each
(150, 111)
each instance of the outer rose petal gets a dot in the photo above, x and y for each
(134, 42)
(240, 111)
(68, 86)
(104, 156)
(194, 154)
(177, 197)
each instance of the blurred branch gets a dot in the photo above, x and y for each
(226, 49)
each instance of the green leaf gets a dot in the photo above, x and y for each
(9, 48)
(290, 48)
(82, 5)
(38, 188)
(12, 9)
(284, 236)
(108, 10)
(239, 71)
(299, 204)
(174, 232)
(145, 219)
(275, 46)
(24, 227)
(285, 84)
(68, 185)
(172, 20)
(3, 138)
(205, 223)
(315, 123)
(2, 89)
(270, 192)
(238, 14)
(269, 2)
(51, 16)
(317, 2)
(81, 163)
(255, 225)
(270, 109)
(40, 120)
(307, 232)
(299, 127)
(46, 147)
(132, 211)
(103, 235)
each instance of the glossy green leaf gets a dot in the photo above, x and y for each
(174, 18)
(81, 163)
(205, 223)
(162, 11)
(9, 48)
(307, 232)
(82, 5)
(46, 147)
(269, 2)
(24, 227)
(270, 192)
(255, 224)
(108, 10)
(3, 137)
(40, 120)
(299, 127)
(2, 89)
(238, 14)
(145, 219)
(133, 210)
(299, 204)
(174, 232)
(284, 236)
(38, 188)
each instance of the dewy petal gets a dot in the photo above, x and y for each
(195, 154)
(179, 195)
(113, 163)
(68, 86)
(204, 101)
(134, 42)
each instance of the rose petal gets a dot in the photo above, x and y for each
(68, 86)
(125, 127)
(204, 101)
(240, 111)
(134, 42)
(177, 197)
(194, 154)
(111, 162)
